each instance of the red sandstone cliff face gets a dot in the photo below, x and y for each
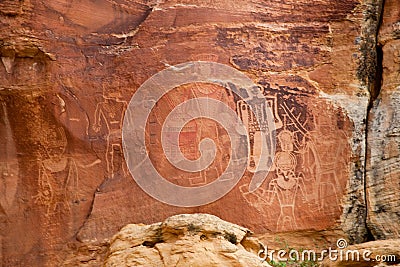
(70, 69)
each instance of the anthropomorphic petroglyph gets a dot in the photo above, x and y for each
(325, 154)
(285, 185)
(58, 174)
(310, 164)
(254, 112)
(8, 162)
(109, 113)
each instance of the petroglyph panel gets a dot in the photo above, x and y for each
(310, 166)
(306, 184)
(190, 136)
(76, 66)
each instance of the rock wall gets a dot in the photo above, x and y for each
(383, 164)
(71, 68)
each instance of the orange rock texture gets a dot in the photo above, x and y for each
(70, 69)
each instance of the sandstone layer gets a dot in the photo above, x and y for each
(70, 68)
(185, 240)
(383, 164)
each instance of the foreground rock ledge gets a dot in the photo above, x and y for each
(185, 240)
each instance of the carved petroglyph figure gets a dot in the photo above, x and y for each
(285, 185)
(194, 131)
(210, 128)
(288, 182)
(58, 174)
(259, 103)
(109, 113)
(310, 164)
(8, 163)
(8, 183)
(325, 155)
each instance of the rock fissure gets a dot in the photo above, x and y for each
(161, 255)
(374, 86)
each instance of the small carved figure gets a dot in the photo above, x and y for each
(110, 113)
(58, 175)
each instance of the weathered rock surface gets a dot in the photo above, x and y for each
(374, 253)
(70, 68)
(185, 240)
(383, 164)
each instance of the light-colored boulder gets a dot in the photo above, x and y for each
(193, 240)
